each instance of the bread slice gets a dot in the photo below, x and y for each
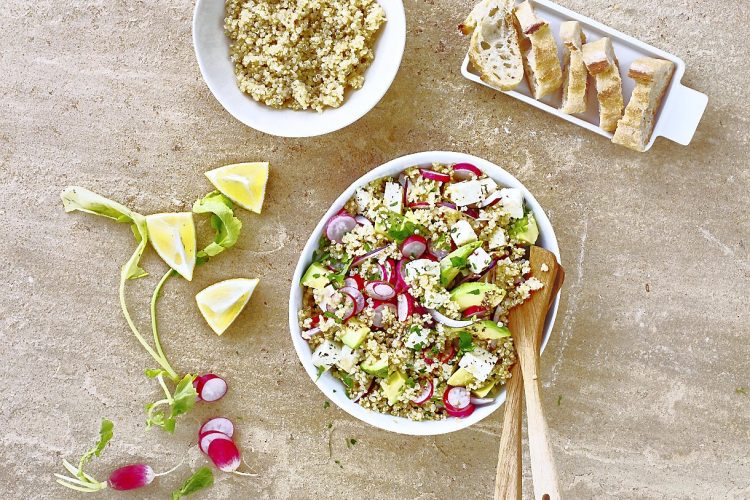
(543, 71)
(494, 49)
(575, 74)
(602, 64)
(652, 77)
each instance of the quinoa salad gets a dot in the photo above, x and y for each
(408, 294)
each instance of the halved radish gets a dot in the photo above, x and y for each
(355, 281)
(426, 394)
(356, 262)
(379, 308)
(465, 172)
(405, 306)
(362, 220)
(339, 225)
(456, 398)
(131, 477)
(213, 388)
(224, 454)
(476, 312)
(380, 290)
(308, 334)
(350, 307)
(463, 413)
(389, 271)
(221, 424)
(401, 285)
(356, 295)
(414, 246)
(434, 176)
(198, 385)
(205, 439)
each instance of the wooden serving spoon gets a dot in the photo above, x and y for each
(508, 482)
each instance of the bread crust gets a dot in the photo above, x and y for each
(652, 77)
(575, 74)
(601, 62)
(541, 64)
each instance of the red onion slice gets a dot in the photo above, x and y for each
(491, 200)
(440, 253)
(359, 260)
(445, 320)
(308, 334)
(465, 172)
(434, 176)
(350, 306)
(339, 225)
(481, 401)
(448, 204)
(414, 246)
(380, 290)
(419, 204)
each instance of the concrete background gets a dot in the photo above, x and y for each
(646, 377)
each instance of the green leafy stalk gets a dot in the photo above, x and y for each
(80, 480)
(226, 225)
(203, 478)
(179, 402)
(154, 299)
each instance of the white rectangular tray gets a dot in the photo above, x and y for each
(681, 109)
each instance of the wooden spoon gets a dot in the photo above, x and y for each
(508, 485)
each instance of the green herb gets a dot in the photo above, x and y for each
(180, 402)
(321, 370)
(741, 390)
(326, 405)
(559, 399)
(347, 380)
(227, 226)
(410, 382)
(80, 480)
(465, 342)
(350, 442)
(203, 478)
(330, 424)
(398, 227)
(475, 292)
(418, 346)
(332, 316)
(458, 261)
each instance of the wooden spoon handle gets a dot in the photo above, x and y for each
(508, 484)
(543, 470)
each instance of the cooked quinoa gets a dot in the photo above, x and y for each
(408, 294)
(301, 54)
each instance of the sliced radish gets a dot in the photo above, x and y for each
(461, 413)
(389, 271)
(350, 307)
(213, 388)
(379, 311)
(414, 246)
(448, 353)
(198, 385)
(362, 220)
(380, 290)
(481, 401)
(367, 391)
(355, 281)
(465, 172)
(434, 176)
(405, 306)
(445, 320)
(224, 454)
(221, 424)
(131, 477)
(491, 200)
(205, 439)
(440, 253)
(356, 295)
(476, 312)
(456, 398)
(359, 260)
(401, 285)
(426, 394)
(339, 225)
(308, 334)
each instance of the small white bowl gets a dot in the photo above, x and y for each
(332, 387)
(212, 50)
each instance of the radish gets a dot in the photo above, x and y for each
(339, 225)
(308, 334)
(426, 394)
(380, 307)
(448, 353)
(350, 306)
(131, 477)
(456, 398)
(206, 438)
(224, 454)
(405, 306)
(356, 296)
(389, 271)
(445, 320)
(401, 285)
(461, 413)
(439, 253)
(362, 220)
(465, 172)
(434, 176)
(491, 200)
(212, 388)
(355, 281)
(471, 212)
(414, 246)
(221, 424)
(476, 312)
(419, 204)
(356, 262)
(380, 290)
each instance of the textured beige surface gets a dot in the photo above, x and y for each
(642, 372)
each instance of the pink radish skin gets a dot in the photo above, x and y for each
(426, 393)
(224, 454)
(379, 307)
(362, 220)
(401, 285)
(405, 306)
(491, 200)
(465, 172)
(205, 439)
(380, 290)
(457, 398)
(356, 296)
(414, 246)
(434, 176)
(213, 388)
(221, 424)
(339, 225)
(366, 256)
(308, 334)
(131, 477)
(198, 385)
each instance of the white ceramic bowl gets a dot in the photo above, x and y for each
(212, 50)
(332, 387)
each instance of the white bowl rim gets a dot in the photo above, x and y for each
(330, 120)
(329, 385)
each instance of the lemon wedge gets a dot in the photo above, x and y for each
(243, 183)
(173, 237)
(222, 302)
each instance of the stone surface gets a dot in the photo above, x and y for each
(645, 372)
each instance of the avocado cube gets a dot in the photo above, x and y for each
(460, 378)
(525, 230)
(393, 386)
(452, 263)
(316, 276)
(354, 333)
(489, 330)
(484, 389)
(467, 295)
(375, 367)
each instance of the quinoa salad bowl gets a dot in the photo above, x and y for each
(299, 69)
(399, 301)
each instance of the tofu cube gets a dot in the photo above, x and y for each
(498, 239)
(327, 354)
(347, 359)
(479, 363)
(479, 260)
(462, 233)
(363, 198)
(393, 198)
(512, 201)
(465, 193)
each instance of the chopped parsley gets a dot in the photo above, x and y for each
(465, 342)
(410, 382)
(326, 405)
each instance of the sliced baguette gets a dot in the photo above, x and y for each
(543, 71)
(602, 64)
(652, 77)
(494, 49)
(575, 74)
